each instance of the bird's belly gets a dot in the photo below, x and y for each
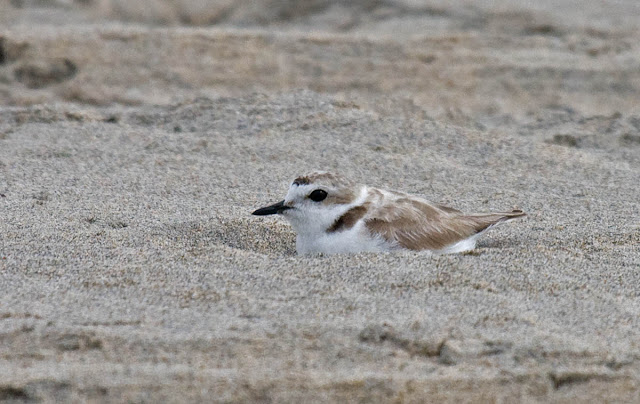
(349, 241)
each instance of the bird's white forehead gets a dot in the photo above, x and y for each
(299, 191)
(339, 189)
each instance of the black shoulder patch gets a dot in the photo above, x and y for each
(348, 219)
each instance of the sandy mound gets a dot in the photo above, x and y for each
(131, 157)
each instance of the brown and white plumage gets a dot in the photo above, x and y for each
(352, 218)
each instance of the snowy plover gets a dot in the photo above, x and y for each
(331, 214)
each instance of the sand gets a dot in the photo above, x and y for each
(134, 143)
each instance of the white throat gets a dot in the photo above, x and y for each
(312, 222)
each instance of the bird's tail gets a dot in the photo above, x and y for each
(483, 221)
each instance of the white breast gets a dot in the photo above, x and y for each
(355, 239)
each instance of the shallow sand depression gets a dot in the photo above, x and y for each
(132, 270)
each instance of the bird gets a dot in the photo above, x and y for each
(332, 214)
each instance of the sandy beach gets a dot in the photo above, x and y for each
(136, 138)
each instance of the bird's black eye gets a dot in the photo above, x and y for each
(318, 195)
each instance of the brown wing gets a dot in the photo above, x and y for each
(419, 225)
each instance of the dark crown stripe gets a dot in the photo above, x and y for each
(302, 181)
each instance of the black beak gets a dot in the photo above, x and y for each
(271, 209)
